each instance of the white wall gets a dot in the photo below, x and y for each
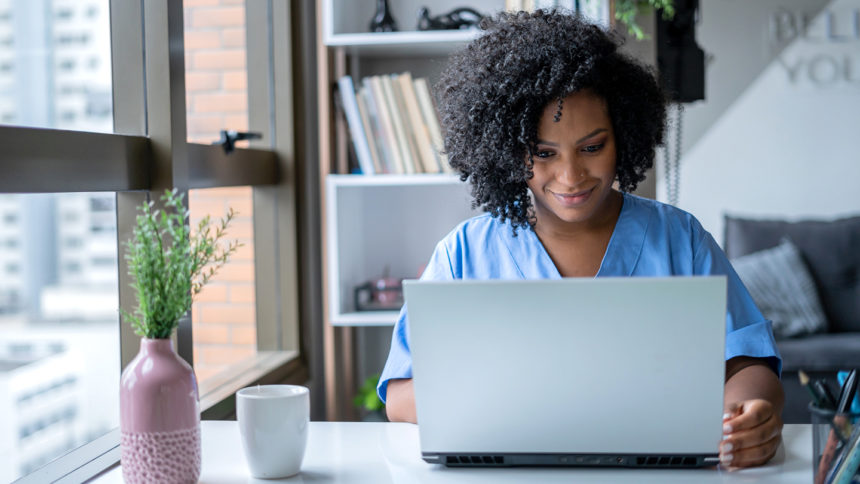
(779, 132)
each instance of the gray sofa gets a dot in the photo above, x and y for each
(831, 251)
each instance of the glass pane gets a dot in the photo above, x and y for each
(59, 329)
(224, 313)
(215, 74)
(55, 65)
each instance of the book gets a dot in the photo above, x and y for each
(368, 131)
(410, 128)
(398, 125)
(356, 128)
(418, 127)
(379, 135)
(428, 109)
(389, 135)
(342, 146)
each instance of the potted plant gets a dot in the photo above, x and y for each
(367, 399)
(159, 412)
(626, 10)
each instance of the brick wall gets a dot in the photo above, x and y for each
(223, 316)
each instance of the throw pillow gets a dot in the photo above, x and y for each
(780, 284)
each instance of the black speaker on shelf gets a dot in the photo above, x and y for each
(680, 60)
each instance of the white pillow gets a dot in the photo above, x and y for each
(783, 290)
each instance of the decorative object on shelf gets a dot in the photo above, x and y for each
(159, 411)
(626, 11)
(367, 399)
(383, 294)
(383, 21)
(459, 18)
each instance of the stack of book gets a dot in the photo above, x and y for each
(393, 125)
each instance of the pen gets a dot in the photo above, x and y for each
(855, 405)
(831, 452)
(804, 381)
(847, 393)
(847, 464)
(846, 397)
(820, 399)
(826, 394)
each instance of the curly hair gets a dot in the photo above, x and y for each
(492, 94)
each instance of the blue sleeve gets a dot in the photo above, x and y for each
(399, 363)
(748, 333)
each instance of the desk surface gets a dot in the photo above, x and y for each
(347, 452)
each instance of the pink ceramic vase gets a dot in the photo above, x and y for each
(159, 417)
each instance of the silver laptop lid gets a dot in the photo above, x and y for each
(606, 365)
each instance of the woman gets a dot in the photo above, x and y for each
(553, 128)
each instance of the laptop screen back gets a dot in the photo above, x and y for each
(607, 365)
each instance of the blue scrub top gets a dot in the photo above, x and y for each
(650, 239)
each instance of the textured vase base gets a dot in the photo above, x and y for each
(168, 457)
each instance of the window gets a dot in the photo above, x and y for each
(215, 69)
(102, 204)
(72, 268)
(224, 316)
(64, 13)
(54, 49)
(69, 193)
(104, 261)
(49, 329)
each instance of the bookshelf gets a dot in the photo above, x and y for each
(374, 222)
(384, 224)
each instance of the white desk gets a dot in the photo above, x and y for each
(377, 453)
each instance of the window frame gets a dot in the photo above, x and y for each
(148, 153)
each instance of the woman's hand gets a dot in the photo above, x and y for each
(752, 431)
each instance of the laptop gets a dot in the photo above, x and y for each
(625, 372)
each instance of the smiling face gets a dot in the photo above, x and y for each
(574, 165)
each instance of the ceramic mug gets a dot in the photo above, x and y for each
(273, 423)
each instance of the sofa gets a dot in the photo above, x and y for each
(830, 250)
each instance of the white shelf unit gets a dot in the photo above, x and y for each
(424, 44)
(346, 24)
(373, 221)
(380, 222)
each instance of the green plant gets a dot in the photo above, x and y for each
(366, 397)
(626, 10)
(170, 264)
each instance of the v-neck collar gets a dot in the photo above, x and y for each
(622, 252)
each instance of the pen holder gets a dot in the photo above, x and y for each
(831, 443)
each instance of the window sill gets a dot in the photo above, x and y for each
(217, 394)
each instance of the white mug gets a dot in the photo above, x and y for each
(273, 423)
